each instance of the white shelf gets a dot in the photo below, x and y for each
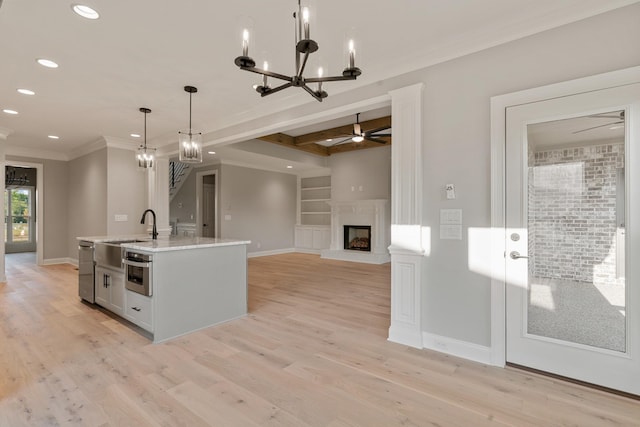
(315, 188)
(315, 193)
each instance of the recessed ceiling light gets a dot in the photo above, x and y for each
(211, 152)
(53, 137)
(135, 135)
(616, 127)
(10, 111)
(289, 167)
(26, 92)
(47, 63)
(85, 11)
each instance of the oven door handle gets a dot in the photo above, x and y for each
(136, 263)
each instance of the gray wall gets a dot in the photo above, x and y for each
(55, 209)
(87, 214)
(369, 169)
(262, 206)
(126, 193)
(457, 144)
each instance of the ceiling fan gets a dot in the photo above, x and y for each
(358, 134)
(619, 119)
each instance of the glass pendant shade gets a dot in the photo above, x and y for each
(190, 142)
(145, 158)
(190, 147)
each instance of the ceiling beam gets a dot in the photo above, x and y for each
(290, 141)
(341, 131)
(352, 146)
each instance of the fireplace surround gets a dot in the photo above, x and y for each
(363, 216)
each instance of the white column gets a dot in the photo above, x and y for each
(406, 216)
(158, 195)
(4, 134)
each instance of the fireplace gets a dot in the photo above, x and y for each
(374, 235)
(357, 238)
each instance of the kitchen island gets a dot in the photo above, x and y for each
(194, 283)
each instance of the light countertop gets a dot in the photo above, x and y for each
(171, 243)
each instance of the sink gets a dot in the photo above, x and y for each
(109, 253)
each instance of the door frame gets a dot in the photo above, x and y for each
(499, 104)
(199, 200)
(39, 167)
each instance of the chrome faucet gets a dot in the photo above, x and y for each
(154, 232)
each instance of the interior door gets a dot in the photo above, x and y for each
(208, 210)
(570, 309)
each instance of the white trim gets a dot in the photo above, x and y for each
(406, 216)
(53, 261)
(199, 190)
(13, 150)
(39, 167)
(308, 251)
(499, 105)
(272, 252)
(5, 132)
(466, 350)
(89, 148)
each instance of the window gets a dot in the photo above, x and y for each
(18, 204)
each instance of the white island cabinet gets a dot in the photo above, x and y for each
(196, 282)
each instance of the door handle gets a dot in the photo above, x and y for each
(516, 255)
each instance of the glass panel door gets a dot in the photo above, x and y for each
(572, 215)
(19, 221)
(575, 218)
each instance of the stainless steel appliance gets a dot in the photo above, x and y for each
(138, 272)
(86, 271)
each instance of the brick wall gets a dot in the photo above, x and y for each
(572, 213)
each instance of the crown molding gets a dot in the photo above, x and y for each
(89, 148)
(123, 144)
(5, 132)
(12, 150)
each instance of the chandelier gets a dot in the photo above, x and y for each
(144, 156)
(190, 143)
(304, 47)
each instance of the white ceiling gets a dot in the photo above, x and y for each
(141, 53)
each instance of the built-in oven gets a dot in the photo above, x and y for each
(138, 272)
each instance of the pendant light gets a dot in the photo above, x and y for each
(304, 47)
(190, 143)
(145, 156)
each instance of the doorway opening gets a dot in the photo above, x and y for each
(207, 204)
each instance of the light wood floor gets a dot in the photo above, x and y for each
(312, 352)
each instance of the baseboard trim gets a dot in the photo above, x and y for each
(53, 261)
(273, 252)
(308, 251)
(457, 348)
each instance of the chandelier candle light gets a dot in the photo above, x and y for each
(304, 47)
(190, 143)
(144, 155)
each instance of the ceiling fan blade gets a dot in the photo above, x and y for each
(341, 142)
(596, 127)
(377, 134)
(377, 130)
(379, 141)
(356, 129)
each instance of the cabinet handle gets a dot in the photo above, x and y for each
(135, 308)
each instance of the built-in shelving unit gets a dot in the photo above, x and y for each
(315, 192)
(312, 233)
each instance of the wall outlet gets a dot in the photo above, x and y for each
(121, 217)
(258, 245)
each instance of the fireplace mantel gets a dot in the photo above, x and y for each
(359, 212)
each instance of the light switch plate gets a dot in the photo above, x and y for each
(227, 217)
(121, 217)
